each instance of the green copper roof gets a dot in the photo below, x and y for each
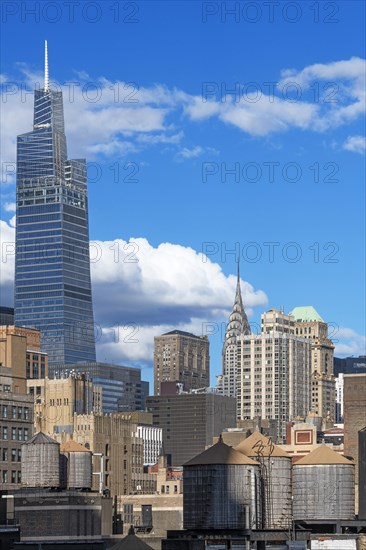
(306, 314)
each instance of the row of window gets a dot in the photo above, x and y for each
(38, 390)
(166, 489)
(58, 402)
(53, 200)
(35, 372)
(15, 476)
(14, 412)
(19, 434)
(14, 454)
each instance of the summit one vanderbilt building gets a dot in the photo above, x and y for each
(52, 263)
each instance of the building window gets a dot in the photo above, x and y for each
(13, 476)
(5, 411)
(26, 413)
(19, 476)
(13, 455)
(25, 434)
(14, 412)
(13, 433)
(19, 413)
(5, 433)
(4, 455)
(5, 476)
(19, 434)
(19, 455)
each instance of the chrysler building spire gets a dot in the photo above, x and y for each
(238, 325)
(238, 303)
(238, 321)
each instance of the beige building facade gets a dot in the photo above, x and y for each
(309, 324)
(57, 400)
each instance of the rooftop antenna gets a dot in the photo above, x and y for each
(46, 76)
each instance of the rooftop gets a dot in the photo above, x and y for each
(180, 333)
(41, 438)
(306, 314)
(131, 542)
(323, 455)
(258, 444)
(220, 453)
(72, 446)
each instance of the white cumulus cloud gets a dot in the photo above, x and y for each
(337, 87)
(349, 342)
(318, 97)
(140, 291)
(355, 144)
(108, 118)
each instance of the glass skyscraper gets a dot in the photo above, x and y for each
(52, 262)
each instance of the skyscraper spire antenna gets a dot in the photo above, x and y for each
(238, 289)
(46, 76)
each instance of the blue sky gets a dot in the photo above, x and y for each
(205, 132)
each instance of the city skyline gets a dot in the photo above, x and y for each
(169, 142)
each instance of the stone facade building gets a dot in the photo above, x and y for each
(56, 402)
(114, 436)
(309, 324)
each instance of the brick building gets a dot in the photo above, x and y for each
(354, 413)
(181, 357)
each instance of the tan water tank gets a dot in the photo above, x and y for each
(77, 466)
(324, 486)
